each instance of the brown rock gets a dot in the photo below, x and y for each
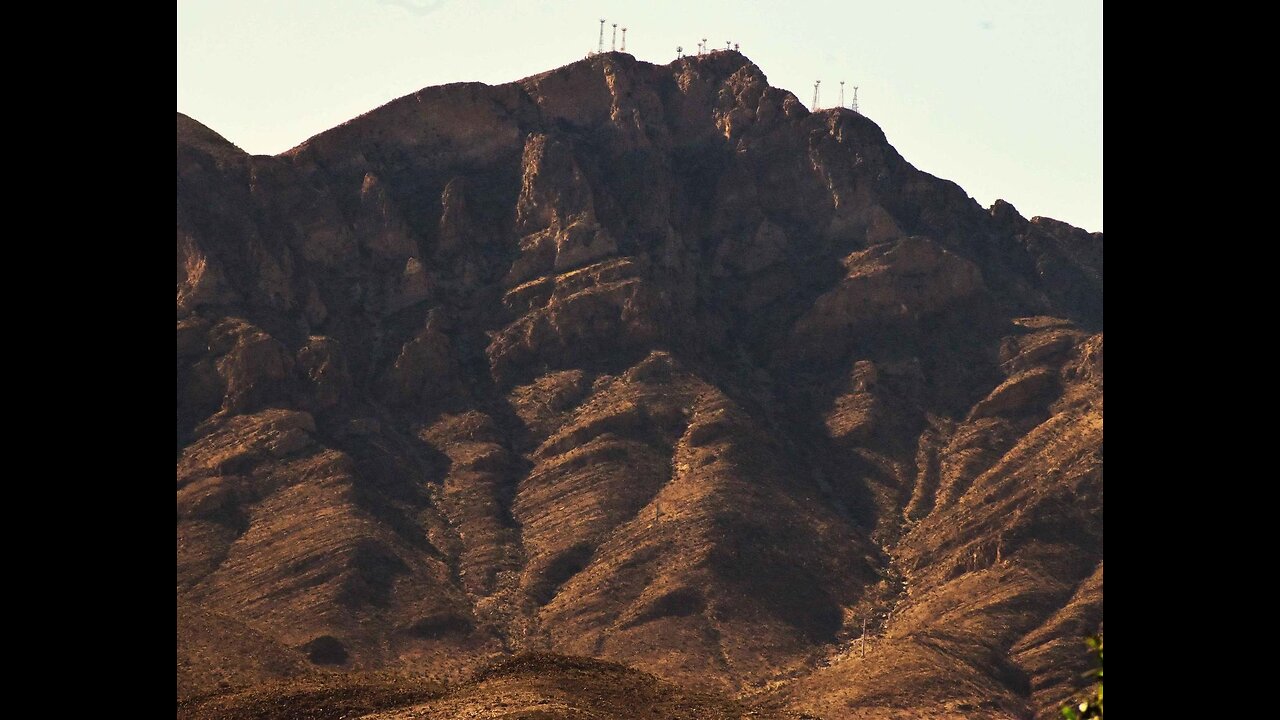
(647, 364)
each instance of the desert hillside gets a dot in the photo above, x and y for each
(628, 390)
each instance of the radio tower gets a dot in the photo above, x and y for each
(816, 83)
(704, 46)
(841, 93)
(727, 43)
(613, 44)
(855, 98)
(679, 52)
(600, 48)
(624, 39)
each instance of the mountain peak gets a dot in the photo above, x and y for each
(641, 363)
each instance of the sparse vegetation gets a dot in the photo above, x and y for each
(1090, 705)
(323, 697)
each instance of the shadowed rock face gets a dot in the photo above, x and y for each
(641, 363)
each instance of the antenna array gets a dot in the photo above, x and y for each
(703, 48)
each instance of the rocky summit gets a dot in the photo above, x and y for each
(627, 390)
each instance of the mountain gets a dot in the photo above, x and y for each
(633, 364)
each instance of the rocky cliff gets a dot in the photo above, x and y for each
(647, 364)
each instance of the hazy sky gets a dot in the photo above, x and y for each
(1002, 96)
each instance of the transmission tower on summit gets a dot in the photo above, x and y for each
(855, 99)
(704, 47)
(816, 83)
(613, 44)
(624, 39)
(600, 47)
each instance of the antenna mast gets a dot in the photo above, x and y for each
(704, 46)
(613, 44)
(855, 98)
(600, 47)
(679, 52)
(624, 39)
(841, 93)
(816, 83)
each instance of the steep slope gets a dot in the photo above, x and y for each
(1000, 569)
(642, 363)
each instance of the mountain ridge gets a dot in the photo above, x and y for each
(643, 363)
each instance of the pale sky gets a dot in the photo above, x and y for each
(1004, 97)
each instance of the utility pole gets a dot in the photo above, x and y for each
(613, 44)
(600, 47)
(864, 635)
(624, 39)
